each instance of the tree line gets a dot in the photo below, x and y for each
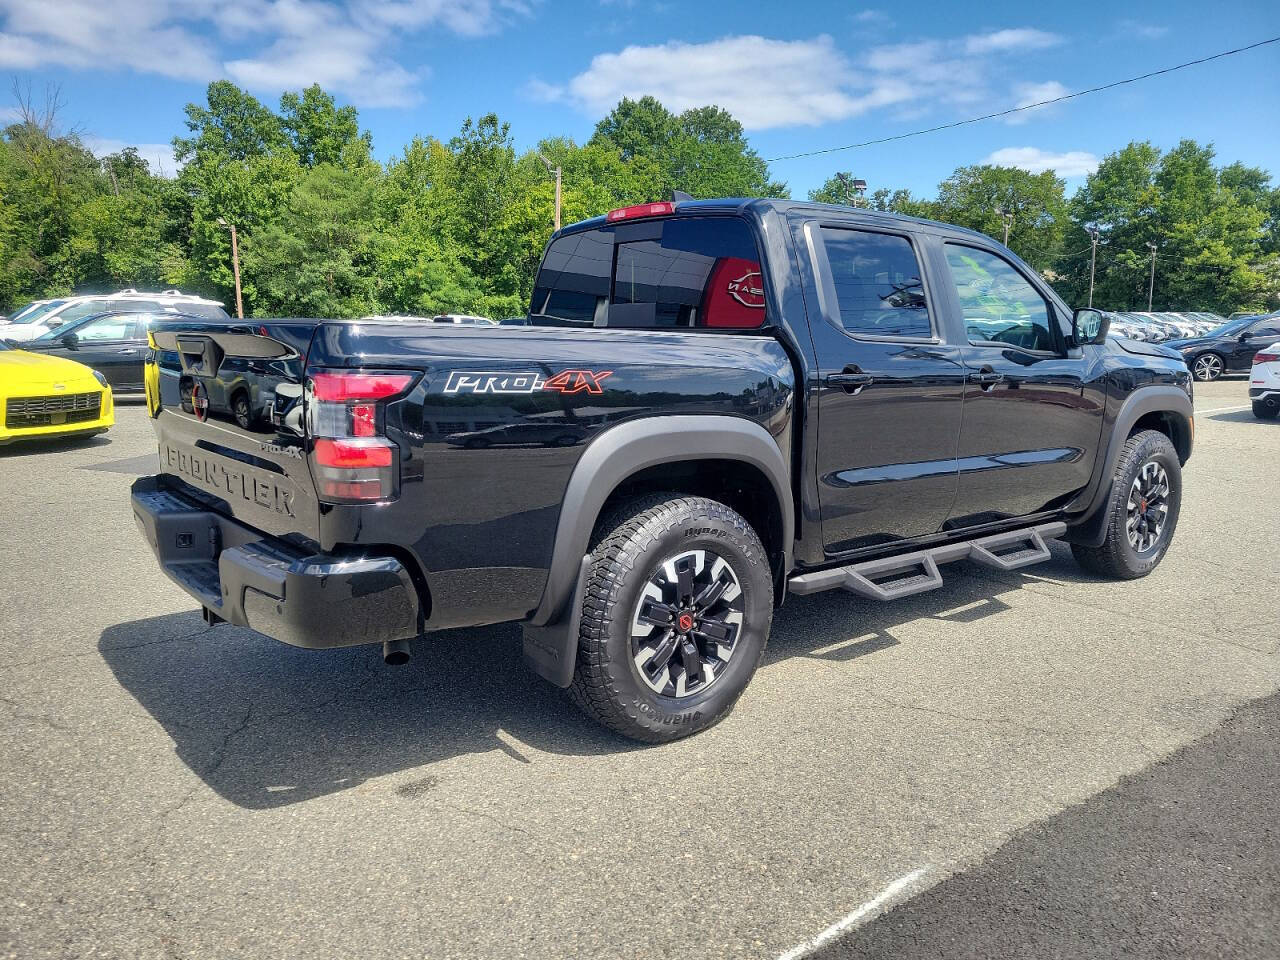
(459, 225)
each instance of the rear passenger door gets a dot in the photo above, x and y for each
(890, 392)
(1031, 429)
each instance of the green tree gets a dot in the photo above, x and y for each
(322, 132)
(1213, 229)
(232, 125)
(974, 196)
(316, 257)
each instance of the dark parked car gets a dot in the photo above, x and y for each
(1229, 348)
(114, 344)
(775, 398)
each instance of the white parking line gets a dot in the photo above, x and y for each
(1201, 413)
(852, 919)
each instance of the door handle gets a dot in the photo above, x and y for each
(129, 350)
(986, 378)
(852, 380)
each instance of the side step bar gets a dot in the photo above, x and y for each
(891, 578)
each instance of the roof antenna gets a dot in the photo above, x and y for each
(678, 196)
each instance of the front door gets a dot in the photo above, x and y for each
(1257, 336)
(1031, 426)
(111, 344)
(890, 392)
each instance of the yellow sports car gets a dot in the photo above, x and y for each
(51, 397)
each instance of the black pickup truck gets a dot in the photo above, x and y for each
(714, 404)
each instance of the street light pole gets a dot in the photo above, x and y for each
(1151, 288)
(1008, 222)
(235, 264)
(558, 175)
(1093, 261)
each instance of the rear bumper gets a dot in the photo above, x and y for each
(1268, 394)
(275, 588)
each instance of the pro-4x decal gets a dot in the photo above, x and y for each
(524, 381)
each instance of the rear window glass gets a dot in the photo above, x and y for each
(699, 272)
(877, 281)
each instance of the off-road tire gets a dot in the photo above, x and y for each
(1264, 412)
(629, 547)
(1117, 557)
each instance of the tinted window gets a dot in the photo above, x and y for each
(574, 278)
(877, 281)
(695, 272)
(115, 326)
(999, 305)
(1266, 328)
(702, 272)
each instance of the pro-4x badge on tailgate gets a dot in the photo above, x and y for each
(566, 381)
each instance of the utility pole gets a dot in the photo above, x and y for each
(1151, 288)
(557, 172)
(1093, 261)
(1008, 222)
(235, 264)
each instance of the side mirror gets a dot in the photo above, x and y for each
(1088, 326)
(53, 324)
(70, 340)
(1244, 335)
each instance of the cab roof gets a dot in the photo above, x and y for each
(744, 205)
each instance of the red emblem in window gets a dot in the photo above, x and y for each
(200, 401)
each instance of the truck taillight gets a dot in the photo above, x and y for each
(351, 459)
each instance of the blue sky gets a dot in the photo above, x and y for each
(800, 76)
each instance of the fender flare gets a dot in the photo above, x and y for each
(551, 633)
(1090, 528)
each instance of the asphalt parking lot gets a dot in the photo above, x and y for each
(1014, 754)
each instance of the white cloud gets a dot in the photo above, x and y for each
(768, 83)
(159, 156)
(267, 45)
(1026, 94)
(763, 83)
(1143, 31)
(1005, 41)
(871, 17)
(1074, 163)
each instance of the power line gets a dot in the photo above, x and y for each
(1029, 106)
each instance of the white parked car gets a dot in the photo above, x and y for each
(1264, 383)
(36, 323)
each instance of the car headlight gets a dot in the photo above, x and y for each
(100, 378)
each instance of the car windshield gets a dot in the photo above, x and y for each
(33, 316)
(1232, 326)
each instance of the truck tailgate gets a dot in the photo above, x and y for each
(227, 406)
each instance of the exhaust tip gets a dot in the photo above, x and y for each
(395, 653)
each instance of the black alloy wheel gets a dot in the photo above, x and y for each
(686, 623)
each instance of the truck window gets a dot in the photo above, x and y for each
(697, 272)
(997, 302)
(701, 272)
(877, 282)
(573, 281)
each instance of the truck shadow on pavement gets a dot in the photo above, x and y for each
(266, 725)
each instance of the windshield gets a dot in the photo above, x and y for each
(33, 316)
(1232, 326)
